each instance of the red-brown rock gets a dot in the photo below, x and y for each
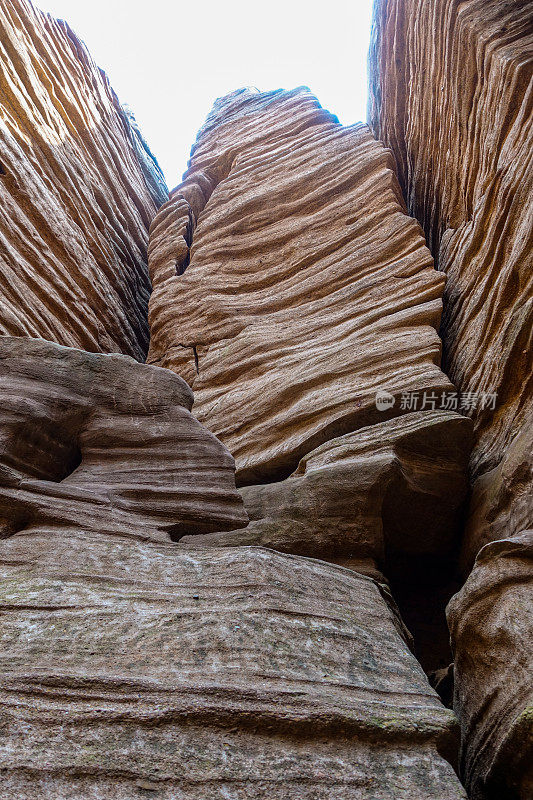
(395, 487)
(289, 283)
(92, 442)
(243, 673)
(450, 94)
(78, 191)
(492, 638)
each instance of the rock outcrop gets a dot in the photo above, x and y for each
(234, 672)
(93, 442)
(491, 624)
(151, 644)
(396, 487)
(78, 190)
(450, 93)
(289, 283)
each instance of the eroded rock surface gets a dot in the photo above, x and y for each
(492, 637)
(78, 190)
(289, 283)
(233, 672)
(451, 95)
(398, 486)
(502, 499)
(101, 443)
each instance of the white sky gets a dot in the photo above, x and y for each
(170, 59)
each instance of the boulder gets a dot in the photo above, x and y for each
(395, 487)
(100, 443)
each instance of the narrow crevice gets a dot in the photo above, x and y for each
(196, 360)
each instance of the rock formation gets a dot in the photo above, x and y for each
(451, 95)
(289, 283)
(93, 442)
(156, 643)
(395, 487)
(290, 290)
(78, 190)
(235, 672)
(492, 634)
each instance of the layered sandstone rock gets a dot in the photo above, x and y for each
(234, 672)
(289, 283)
(395, 487)
(502, 499)
(92, 442)
(492, 637)
(78, 190)
(451, 95)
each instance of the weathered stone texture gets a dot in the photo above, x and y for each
(101, 443)
(78, 190)
(289, 283)
(451, 92)
(217, 673)
(395, 487)
(491, 624)
(502, 499)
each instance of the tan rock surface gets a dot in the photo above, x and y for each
(226, 673)
(451, 94)
(502, 499)
(78, 191)
(398, 486)
(101, 443)
(289, 284)
(492, 636)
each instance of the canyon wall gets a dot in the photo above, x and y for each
(138, 655)
(165, 633)
(78, 190)
(451, 93)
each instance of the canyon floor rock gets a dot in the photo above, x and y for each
(232, 672)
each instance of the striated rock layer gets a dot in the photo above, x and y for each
(289, 283)
(236, 672)
(451, 92)
(78, 190)
(92, 442)
(395, 487)
(492, 637)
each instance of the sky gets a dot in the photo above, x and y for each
(170, 59)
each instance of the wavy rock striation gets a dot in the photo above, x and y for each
(451, 94)
(492, 637)
(396, 487)
(78, 190)
(92, 442)
(289, 283)
(234, 672)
